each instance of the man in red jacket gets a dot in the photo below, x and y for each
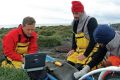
(20, 41)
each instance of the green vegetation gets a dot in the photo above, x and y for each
(48, 37)
(53, 36)
(12, 74)
(49, 41)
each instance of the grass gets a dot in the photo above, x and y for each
(13, 74)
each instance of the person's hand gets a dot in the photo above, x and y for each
(81, 57)
(79, 74)
(70, 52)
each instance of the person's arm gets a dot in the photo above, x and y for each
(74, 46)
(9, 48)
(98, 57)
(92, 24)
(33, 48)
(75, 25)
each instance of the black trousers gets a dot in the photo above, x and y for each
(38, 75)
(78, 66)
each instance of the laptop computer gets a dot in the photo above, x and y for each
(34, 62)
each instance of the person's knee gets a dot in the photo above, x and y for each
(17, 64)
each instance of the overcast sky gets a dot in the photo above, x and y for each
(56, 11)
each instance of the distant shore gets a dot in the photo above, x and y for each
(37, 25)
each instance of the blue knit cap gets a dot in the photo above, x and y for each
(103, 34)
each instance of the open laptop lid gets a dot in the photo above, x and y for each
(34, 61)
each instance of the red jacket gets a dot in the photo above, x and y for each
(10, 41)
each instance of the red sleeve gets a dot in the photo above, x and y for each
(9, 48)
(33, 45)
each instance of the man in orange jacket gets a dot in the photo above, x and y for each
(20, 41)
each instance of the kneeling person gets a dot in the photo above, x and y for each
(18, 42)
(109, 41)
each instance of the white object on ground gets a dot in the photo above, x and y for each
(111, 68)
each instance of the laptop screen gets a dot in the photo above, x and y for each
(35, 61)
